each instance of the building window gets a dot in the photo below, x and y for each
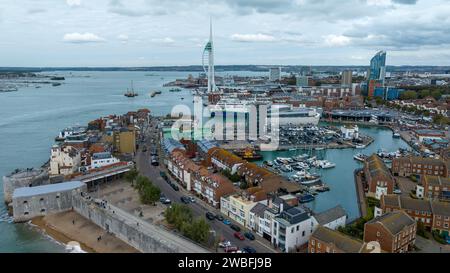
(25, 213)
(42, 210)
(298, 227)
(378, 234)
(312, 250)
(318, 245)
(25, 202)
(303, 233)
(313, 242)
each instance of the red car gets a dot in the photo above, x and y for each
(239, 236)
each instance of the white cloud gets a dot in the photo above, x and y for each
(73, 3)
(123, 38)
(86, 37)
(252, 38)
(337, 40)
(166, 40)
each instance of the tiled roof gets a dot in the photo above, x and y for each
(441, 208)
(330, 215)
(259, 209)
(394, 222)
(341, 241)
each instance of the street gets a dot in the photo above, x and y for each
(199, 208)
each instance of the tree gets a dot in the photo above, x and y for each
(131, 175)
(149, 194)
(177, 214)
(408, 95)
(436, 94)
(198, 230)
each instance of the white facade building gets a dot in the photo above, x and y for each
(64, 160)
(350, 131)
(292, 229)
(99, 160)
(275, 74)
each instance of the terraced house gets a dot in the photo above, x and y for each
(211, 186)
(414, 165)
(325, 240)
(394, 231)
(378, 177)
(434, 215)
(434, 187)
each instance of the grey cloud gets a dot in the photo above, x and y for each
(405, 2)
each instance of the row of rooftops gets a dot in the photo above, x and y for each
(375, 165)
(407, 203)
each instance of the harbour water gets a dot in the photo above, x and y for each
(32, 117)
(341, 179)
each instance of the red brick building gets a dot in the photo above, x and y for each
(395, 231)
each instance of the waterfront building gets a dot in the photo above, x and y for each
(332, 218)
(224, 160)
(275, 74)
(64, 160)
(429, 134)
(434, 187)
(103, 159)
(395, 231)
(237, 207)
(378, 177)
(418, 166)
(29, 177)
(350, 131)
(377, 70)
(30, 202)
(326, 240)
(288, 115)
(292, 229)
(346, 78)
(182, 168)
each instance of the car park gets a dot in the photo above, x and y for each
(239, 236)
(235, 228)
(249, 235)
(210, 216)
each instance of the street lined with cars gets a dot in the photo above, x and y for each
(172, 193)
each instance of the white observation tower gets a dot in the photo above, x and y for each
(208, 53)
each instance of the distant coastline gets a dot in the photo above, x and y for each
(227, 68)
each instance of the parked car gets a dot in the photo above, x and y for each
(249, 249)
(249, 235)
(210, 216)
(192, 199)
(185, 199)
(166, 201)
(239, 236)
(235, 228)
(397, 191)
(224, 244)
(226, 222)
(174, 186)
(230, 249)
(219, 217)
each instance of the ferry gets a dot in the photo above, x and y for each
(360, 146)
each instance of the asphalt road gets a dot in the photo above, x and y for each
(199, 208)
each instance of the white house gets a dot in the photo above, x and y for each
(64, 160)
(332, 218)
(292, 229)
(99, 160)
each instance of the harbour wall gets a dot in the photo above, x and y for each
(141, 235)
(23, 178)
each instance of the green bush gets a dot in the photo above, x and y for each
(181, 217)
(148, 192)
(438, 237)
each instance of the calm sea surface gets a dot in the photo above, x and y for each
(32, 117)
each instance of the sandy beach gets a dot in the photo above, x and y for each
(70, 226)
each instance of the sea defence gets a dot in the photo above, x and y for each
(143, 236)
(23, 178)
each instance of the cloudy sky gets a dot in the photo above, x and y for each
(173, 32)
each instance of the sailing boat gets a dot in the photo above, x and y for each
(131, 93)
